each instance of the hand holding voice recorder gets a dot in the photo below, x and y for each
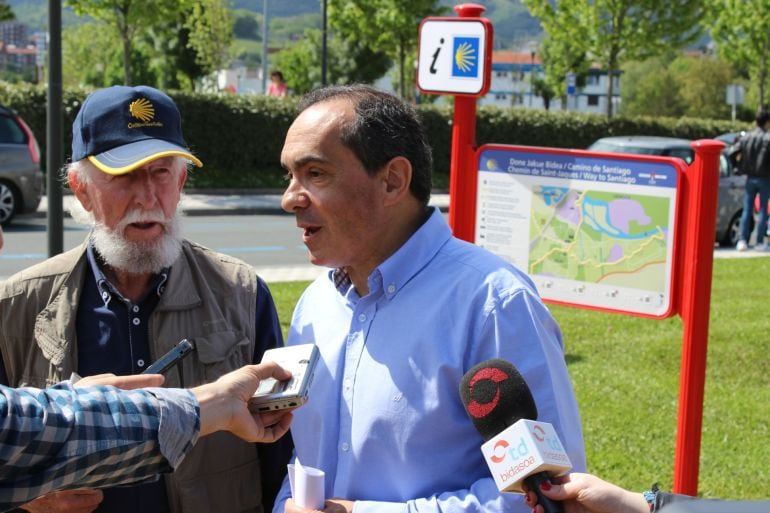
(278, 395)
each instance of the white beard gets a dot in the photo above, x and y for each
(139, 257)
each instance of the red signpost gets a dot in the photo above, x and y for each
(694, 256)
(455, 58)
(701, 188)
(462, 183)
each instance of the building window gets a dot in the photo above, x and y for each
(592, 80)
(501, 96)
(593, 100)
(501, 74)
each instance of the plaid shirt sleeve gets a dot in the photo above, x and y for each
(64, 437)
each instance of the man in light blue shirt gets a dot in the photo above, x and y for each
(405, 310)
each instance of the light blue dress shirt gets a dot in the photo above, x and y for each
(384, 419)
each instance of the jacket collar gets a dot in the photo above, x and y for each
(55, 324)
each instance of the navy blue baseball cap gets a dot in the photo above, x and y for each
(121, 128)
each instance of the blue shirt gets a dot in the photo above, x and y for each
(112, 331)
(384, 419)
(65, 437)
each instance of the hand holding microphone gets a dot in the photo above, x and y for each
(518, 449)
(586, 493)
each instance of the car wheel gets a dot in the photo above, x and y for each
(9, 202)
(733, 233)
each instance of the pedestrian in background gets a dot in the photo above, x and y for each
(755, 164)
(277, 87)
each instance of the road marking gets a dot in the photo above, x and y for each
(249, 249)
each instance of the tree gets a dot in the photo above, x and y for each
(165, 32)
(387, 26)
(193, 46)
(209, 32)
(347, 62)
(650, 89)
(300, 62)
(126, 17)
(95, 44)
(616, 31)
(677, 85)
(542, 88)
(702, 82)
(92, 43)
(6, 13)
(560, 57)
(246, 26)
(740, 30)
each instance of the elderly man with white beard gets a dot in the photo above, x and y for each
(131, 292)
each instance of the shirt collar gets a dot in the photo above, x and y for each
(107, 289)
(392, 274)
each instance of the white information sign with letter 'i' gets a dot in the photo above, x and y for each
(453, 56)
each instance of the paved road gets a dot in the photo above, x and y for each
(267, 238)
(224, 203)
(251, 226)
(271, 243)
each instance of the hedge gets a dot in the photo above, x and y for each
(239, 137)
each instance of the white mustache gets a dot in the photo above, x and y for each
(142, 216)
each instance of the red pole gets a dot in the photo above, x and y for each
(462, 175)
(701, 187)
(462, 179)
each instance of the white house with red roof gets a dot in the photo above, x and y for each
(513, 79)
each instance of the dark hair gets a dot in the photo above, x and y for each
(385, 127)
(277, 74)
(762, 117)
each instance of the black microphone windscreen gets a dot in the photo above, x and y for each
(496, 396)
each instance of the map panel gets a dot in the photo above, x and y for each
(590, 231)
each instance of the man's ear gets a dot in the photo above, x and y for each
(79, 189)
(182, 178)
(397, 177)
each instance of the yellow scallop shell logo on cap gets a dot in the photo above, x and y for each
(142, 109)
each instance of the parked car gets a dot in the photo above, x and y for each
(21, 180)
(731, 186)
(730, 137)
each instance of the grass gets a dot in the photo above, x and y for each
(625, 372)
(285, 296)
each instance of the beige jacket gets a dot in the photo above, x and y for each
(210, 299)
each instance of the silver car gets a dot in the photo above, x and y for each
(21, 180)
(731, 186)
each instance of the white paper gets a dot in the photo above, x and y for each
(307, 486)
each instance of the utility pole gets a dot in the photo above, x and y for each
(323, 43)
(53, 153)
